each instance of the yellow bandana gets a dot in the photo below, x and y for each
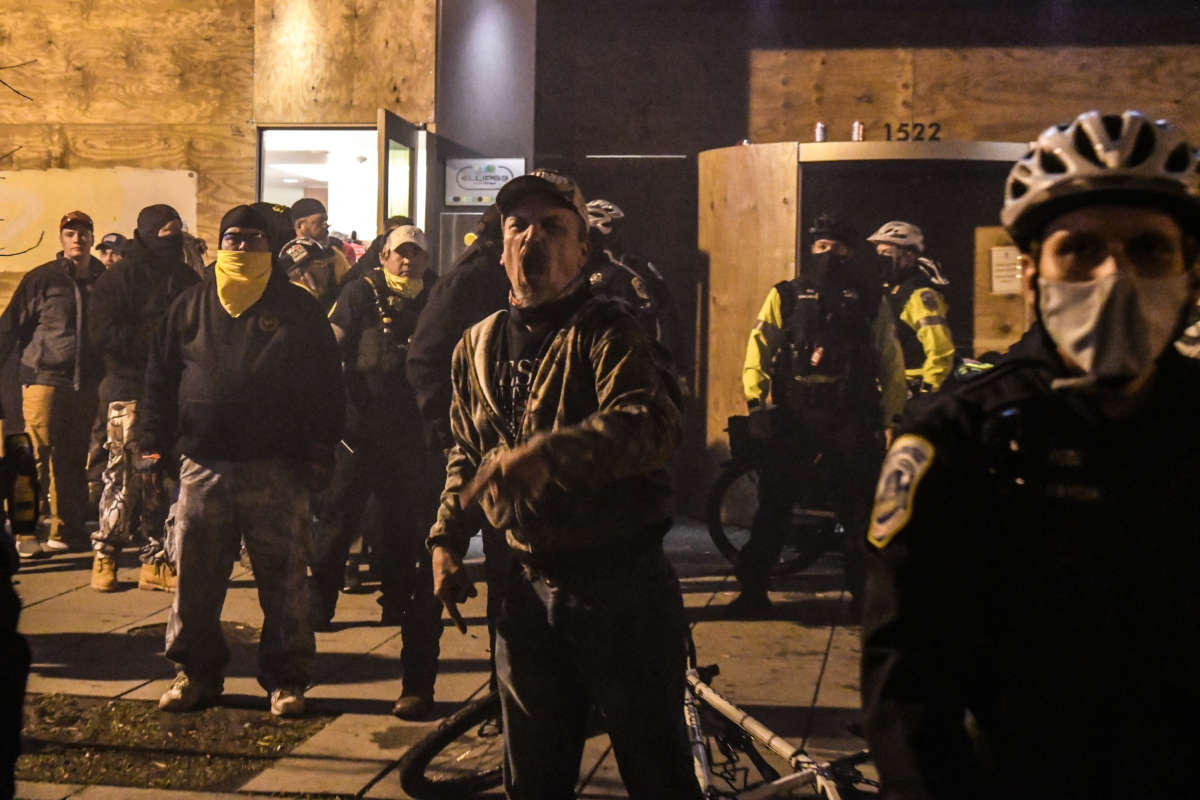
(406, 287)
(241, 279)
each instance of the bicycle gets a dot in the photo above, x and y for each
(721, 734)
(465, 754)
(733, 500)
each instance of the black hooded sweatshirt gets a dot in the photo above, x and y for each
(127, 304)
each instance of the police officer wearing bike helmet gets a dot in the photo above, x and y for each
(824, 348)
(913, 284)
(1032, 611)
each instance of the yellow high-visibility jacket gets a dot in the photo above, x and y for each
(768, 335)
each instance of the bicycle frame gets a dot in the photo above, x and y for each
(806, 770)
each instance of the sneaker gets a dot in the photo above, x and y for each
(28, 546)
(56, 545)
(104, 573)
(186, 694)
(750, 605)
(287, 702)
(158, 577)
(413, 706)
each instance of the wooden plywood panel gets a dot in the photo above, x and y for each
(975, 94)
(1012, 94)
(748, 197)
(111, 61)
(337, 61)
(1000, 319)
(223, 157)
(34, 200)
(790, 90)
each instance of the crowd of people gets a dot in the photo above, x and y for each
(1016, 569)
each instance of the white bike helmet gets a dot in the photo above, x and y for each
(1119, 159)
(904, 234)
(602, 214)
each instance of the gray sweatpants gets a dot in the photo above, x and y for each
(220, 503)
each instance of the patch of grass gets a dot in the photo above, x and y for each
(88, 740)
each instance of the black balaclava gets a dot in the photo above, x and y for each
(150, 221)
(826, 269)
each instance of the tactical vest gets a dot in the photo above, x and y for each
(383, 348)
(827, 360)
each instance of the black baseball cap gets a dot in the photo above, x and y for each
(112, 241)
(553, 185)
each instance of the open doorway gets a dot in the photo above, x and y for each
(338, 166)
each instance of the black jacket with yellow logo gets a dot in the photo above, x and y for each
(267, 384)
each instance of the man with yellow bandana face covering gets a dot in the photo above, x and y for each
(383, 455)
(244, 384)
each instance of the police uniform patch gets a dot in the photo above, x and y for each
(905, 465)
(268, 323)
(639, 286)
(596, 278)
(929, 300)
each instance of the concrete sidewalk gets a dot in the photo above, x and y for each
(798, 673)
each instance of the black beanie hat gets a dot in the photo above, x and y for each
(306, 207)
(151, 220)
(243, 217)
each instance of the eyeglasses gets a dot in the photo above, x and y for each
(236, 239)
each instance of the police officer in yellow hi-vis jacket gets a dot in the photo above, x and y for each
(824, 348)
(913, 285)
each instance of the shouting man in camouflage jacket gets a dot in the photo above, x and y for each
(564, 415)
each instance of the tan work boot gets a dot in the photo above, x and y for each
(104, 573)
(158, 577)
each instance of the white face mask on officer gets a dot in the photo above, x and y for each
(1113, 327)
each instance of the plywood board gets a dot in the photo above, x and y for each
(33, 201)
(337, 61)
(974, 94)
(748, 198)
(1000, 319)
(222, 156)
(1013, 94)
(791, 90)
(107, 61)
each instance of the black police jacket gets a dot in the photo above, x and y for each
(1034, 564)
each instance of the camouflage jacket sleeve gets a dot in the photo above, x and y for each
(637, 422)
(454, 527)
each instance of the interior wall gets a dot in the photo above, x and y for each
(165, 84)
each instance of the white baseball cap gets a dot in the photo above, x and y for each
(406, 233)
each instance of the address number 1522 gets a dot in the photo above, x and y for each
(913, 132)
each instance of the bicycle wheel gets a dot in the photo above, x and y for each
(730, 513)
(462, 757)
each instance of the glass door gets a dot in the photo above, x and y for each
(402, 169)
